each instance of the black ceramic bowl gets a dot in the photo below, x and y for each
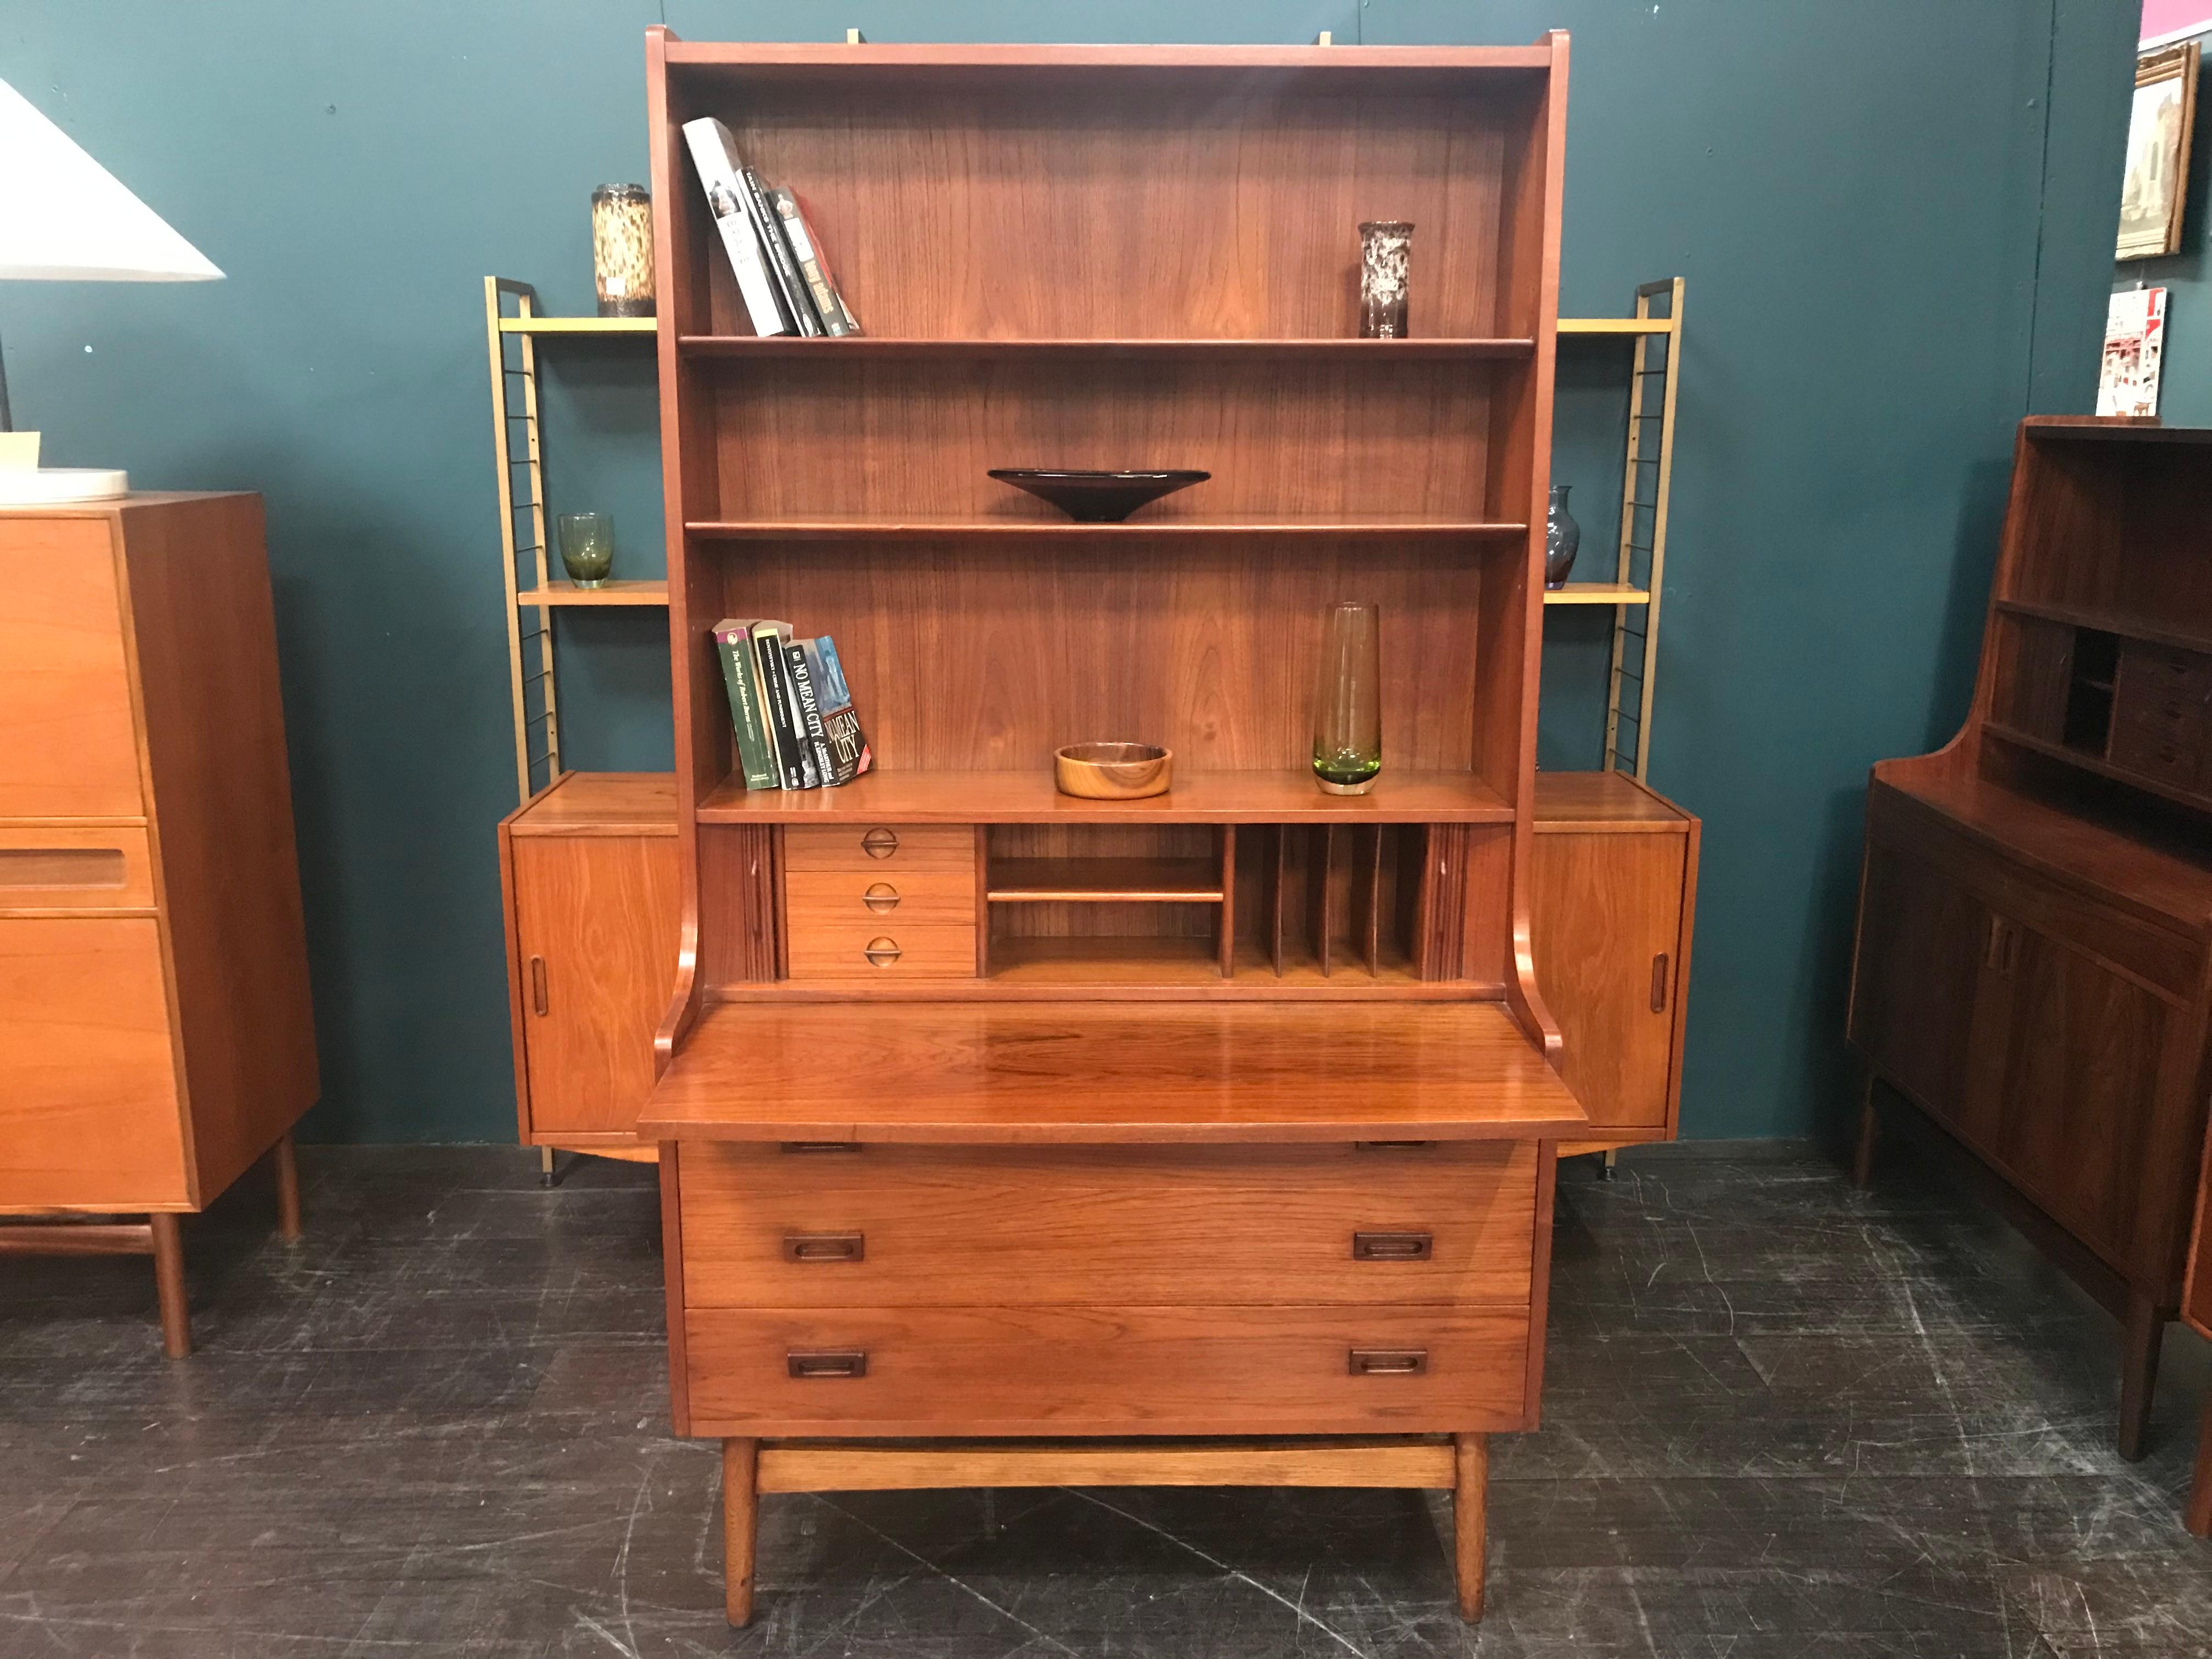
(1097, 497)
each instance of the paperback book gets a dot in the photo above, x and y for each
(790, 707)
(714, 154)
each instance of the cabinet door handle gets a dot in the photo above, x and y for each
(879, 843)
(881, 897)
(1387, 1362)
(1388, 1145)
(883, 951)
(817, 1146)
(824, 1247)
(1659, 983)
(538, 984)
(1392, 1247)
(827, 1362)
(1993, 953)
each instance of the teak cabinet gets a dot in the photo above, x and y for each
(155, 1032)
(588, 873)
(2034, 968)
(1008, 1138)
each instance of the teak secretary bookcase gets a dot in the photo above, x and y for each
(1009, 1139)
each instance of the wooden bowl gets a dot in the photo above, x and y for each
(1112, 771)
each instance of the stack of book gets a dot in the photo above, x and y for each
(792, 710)
(783, 275)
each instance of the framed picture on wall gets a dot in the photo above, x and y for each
(2154, 186)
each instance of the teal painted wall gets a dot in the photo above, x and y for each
(2185, 378)
(1895, 220)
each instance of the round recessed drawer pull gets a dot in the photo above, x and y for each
(879, 843)
(880, 896)
(883, 951)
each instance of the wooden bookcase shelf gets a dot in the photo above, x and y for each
(1255, 797)
(2160, 630)
(1105, 880)
(877, 348)
(958, 529)
(617, 591)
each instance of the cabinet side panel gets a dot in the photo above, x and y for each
(205, 634)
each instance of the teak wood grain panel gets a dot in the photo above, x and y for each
(902, 850)
(75, 867)
(1222, 204)
(596, 925)
(987, 656)
(821, 949)
(823, 436)
(1035, 1071)
(1205, 1370)
(205, 629)
(1605, 914)
(973, 1226)
(90, 1114)
(1027, 797)
(903, 899)
(69, 745)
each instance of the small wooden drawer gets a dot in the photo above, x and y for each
(2147, 672)
(1205, 1370)
(902, 898)
(75, 868)
(2169, 754)
(879, 950)
(944, 1226)
(837, 849)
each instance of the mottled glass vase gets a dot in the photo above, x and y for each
(1563, 538)
(1347, 751)
(1385, 248)
(622, 250)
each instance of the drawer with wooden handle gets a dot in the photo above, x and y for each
(880, 849)
(2170, 756)
(948, 1225)
(2154, 670)
(74, 868)
(1201, 1370)
(878, 950)
(910, 898)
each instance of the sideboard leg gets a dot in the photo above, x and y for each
(2139, 1348)
(1608, 1166)
(169, 1285)
(1870, 1134)
(2199, 1517)
(545, 1176)
(740, 1525)
(1470, 1518)
(287, 1160)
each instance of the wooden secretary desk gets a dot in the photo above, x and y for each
(1011, 1138)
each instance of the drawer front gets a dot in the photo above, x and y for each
(74, 868)
(896, 898)
(88, 1108)
(921, 1226)
(2149, 673)
(69, 745)
(880, 950)
(880, 848)
(2172, 754)
(1214, 1369)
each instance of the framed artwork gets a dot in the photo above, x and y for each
(2154, 186)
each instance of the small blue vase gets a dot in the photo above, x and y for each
(1563, 538)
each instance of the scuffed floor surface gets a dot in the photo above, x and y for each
(1784, 1421)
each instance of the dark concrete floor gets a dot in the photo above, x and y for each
(1783, 1420)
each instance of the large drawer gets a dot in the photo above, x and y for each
(923, 1226)
(1106, 1370)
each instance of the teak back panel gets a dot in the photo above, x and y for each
(987, 656)
(1104, 205)
(2108, 522)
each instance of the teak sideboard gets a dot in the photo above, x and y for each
(2034, 968)
(156, 1036)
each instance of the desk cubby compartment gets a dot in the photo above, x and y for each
(2088, 715)
(1105, 902)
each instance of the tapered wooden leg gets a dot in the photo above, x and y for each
(2139, 1346)
(2199, 1518)
(286, 1159)
(1470, 1518)
(1870, 1134)
(169, 1285)
(740, 1525)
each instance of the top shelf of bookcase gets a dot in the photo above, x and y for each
(1396, 69)
(870, 346)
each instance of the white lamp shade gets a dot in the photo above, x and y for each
(63, 217)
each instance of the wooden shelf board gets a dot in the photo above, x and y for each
(1187, 964)
(2099, 767)
(600, 804)
(1394, 71)
(1587, 803)
(1080, 1073)
(775, 346)
(1597, 593)
(2109, 622)
(1105, 880)
(615, 593)
(2115, 429)
(841, 527)
(1028, 797)
(644, 326)
(1616, 326)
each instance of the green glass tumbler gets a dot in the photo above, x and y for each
(587, 547)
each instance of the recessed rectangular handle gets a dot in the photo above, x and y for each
(817, 1146)
(1659, 983)
(1387, 1362)
(538, 984)
(1388, 1146)
(1392, 1247)
(824, 1247)
(828, 1362)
